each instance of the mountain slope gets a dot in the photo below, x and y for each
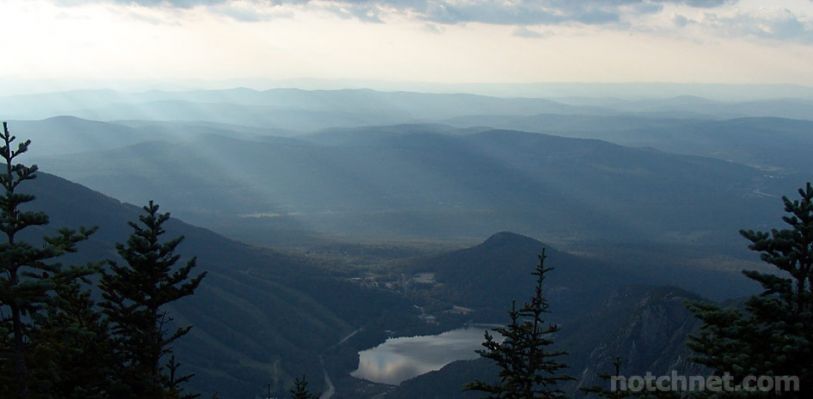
(67, 135)
(604, 309)
(411, 181)
(488, 276)
(646, 326)
(259, 317)
(767, 142)
(262, 317)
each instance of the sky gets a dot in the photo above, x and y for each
(435, 41)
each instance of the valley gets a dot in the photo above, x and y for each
(306, 309)
(351, 254)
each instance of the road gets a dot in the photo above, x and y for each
(331, 389)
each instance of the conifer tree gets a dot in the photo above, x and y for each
(300, 389)
(135, 295)
(28, 273)
(773, 334)
(528, 367)
(73, 351)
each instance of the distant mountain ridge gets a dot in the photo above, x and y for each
(279, 108)
(775, 144)
(432, 184)
(308, 110)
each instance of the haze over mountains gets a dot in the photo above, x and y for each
(331, 220)
(266, 316)
(419, 184)
(310, 110)
(596, 178)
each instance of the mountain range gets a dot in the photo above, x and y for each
(263, 316)
(432, 183)
(308, 110)
(329, 221)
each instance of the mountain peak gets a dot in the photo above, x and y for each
(67, 119)
(509, 238)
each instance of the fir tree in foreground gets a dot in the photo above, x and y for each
(773, 334)
(300, 389)
(73, 351)
(29, 277)
(135, 295)
(528, 367)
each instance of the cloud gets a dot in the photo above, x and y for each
(147, 3)
(523, 31)
(516, 12)
(448, 12)
(681, 20)
(432, 28)
(525, 15)
(780, 25)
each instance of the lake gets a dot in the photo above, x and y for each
(399, 359)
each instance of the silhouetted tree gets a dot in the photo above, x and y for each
(528, 367)
(135, 295)
(300, 389)
(28, 273)
(773, 334)
(73, 351)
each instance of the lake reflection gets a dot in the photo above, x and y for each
(399, 359)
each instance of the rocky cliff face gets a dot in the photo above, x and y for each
(646, 327)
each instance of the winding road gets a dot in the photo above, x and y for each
(331, 389)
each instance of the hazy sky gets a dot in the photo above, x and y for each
(409, 40)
